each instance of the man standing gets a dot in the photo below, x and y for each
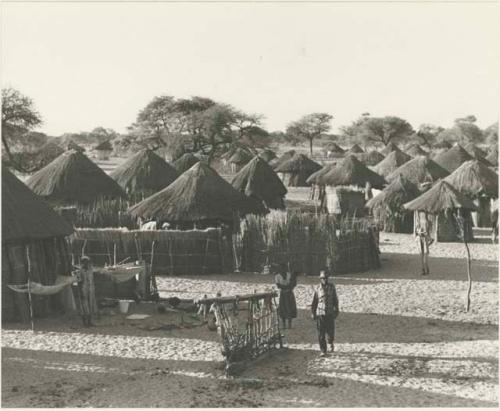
(423, 232)
(88, 303)
(325, 309)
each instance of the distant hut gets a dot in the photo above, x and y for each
(420, 171)
(478, 182)
(371, 158)
(448, 207)
(144, 174)
(71, 145)
(276, 162)
(334, 150)
(453, 158)
(103, 150)
(239, 159)
(416, 150)
(475, 151)
(492, 157)
(355, 149)
(346, 186)
(164, 153)
(296, 171)
(185, 162)
(47, 153)
(74, 180)
(267, 155)
(389, 148)
(31, 229)
(387, 206)
(258, 180)
(199, 198)
(394, 160)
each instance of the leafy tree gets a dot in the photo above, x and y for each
(384, 130)
(491, 134)
(464, 131)
(354, 132)
(19, 116)
(427, 134)
(310, 127)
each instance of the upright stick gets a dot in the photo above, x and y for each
(468, 274)
(29, 289)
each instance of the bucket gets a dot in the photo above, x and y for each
(124, 304)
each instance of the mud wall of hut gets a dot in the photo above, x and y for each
(47, 259)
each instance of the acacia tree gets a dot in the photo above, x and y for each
(427, 134)
(384, 130)
(310, 127)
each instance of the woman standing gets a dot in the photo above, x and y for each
(287, 308)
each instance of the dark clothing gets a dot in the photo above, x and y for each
(326, 326)
(287, 307)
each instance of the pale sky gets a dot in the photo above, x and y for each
(88, 64)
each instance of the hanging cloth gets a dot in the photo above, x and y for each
(40, 289)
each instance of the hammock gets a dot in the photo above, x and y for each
(121, 273)
(40, 289)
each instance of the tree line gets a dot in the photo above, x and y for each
(210, 128)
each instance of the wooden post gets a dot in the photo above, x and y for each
(29, 288)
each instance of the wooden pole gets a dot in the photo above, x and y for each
(29, 289)
(469, 289)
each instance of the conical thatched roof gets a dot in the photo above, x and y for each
(354, 149)
(393, 160)
(371, 158)
(71, 145)
(453, 158)
(442, 196)
(276, 162)
(492, 157)
(298, 163)
(199, 194)
(397, 193)
(334, 148)
(443, 144)
(71, 178)
(267, 155)
(474, 179)
(389, 148)
(351, 171)
(475, 151)
(258, 180)
(419, 170)
(416, 150)
(145, 173)
(240, 157)
(185, 162)
(314, 177)
(47, 153)
(25, 216)
(104, 146)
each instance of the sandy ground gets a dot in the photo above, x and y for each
(402, 340)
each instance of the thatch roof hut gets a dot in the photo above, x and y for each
(478, 182)
(453, 158)
(47, 153)
(387, 206)
(371, 158)
(317, 189)
(267, 155)
(30, 228)
(73, 178)
(144, 174)
(241, 157)
(334, 148)
(389, 148)
(354, 149)
(416, 150)
(394, 160)
(198, 197)
(443, 201)
(185, 162)
(475, 151)
(297, 170)
(492, 157)
(259, 181)
(419, 170)
(351, 172)
(276, 162)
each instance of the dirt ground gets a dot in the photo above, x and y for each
(402, 340)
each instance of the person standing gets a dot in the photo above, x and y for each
(88, 303)
(325, 309)
(287, 306)
(423, 232)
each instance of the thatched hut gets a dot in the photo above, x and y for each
(387, 206)
(354, 150)
(416, 150)
(74, 180)
(333, 149)
(267, 155)
(478, 182)
(276, 162)
(47, 153)
(30, 230)
(492, 157)
(371, 158)
(345, 186)
(258, 180)
(199, 198)
(451, 212)
(296, 171)
(475, 151)
(393, 161)
(239, 159)
(103, 150)
(185, 162)
(389, 148)
(420, 170)
(453, 158)
(144, 174)
(317, 189)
